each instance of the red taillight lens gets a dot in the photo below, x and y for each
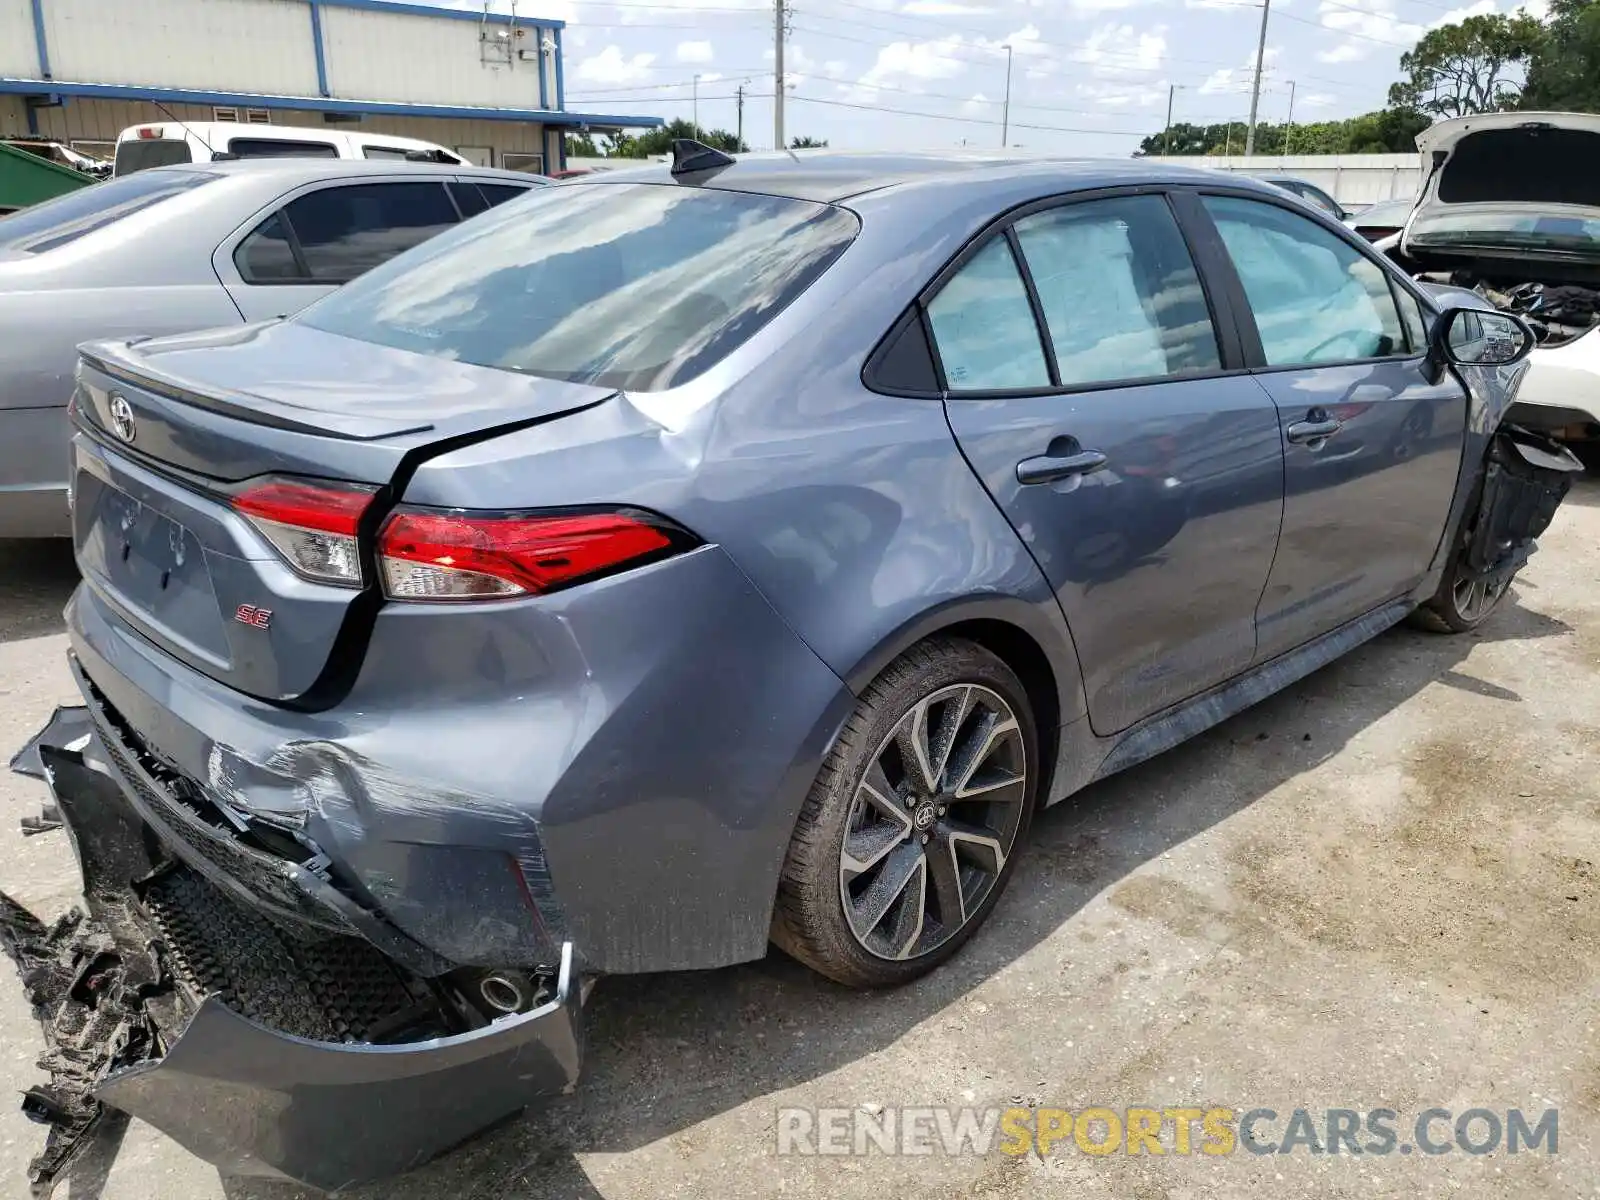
(146, 132)
(313, 525)
(430, 555)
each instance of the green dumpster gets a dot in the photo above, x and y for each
(27, 179)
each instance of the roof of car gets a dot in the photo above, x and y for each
(833, 175)
(290, 168)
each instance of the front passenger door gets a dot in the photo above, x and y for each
(1088, 387)
(1372, 441)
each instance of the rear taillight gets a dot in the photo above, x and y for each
(313, 525)
(146, 132)
(433, 555)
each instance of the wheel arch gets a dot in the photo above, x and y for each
(1035, 644)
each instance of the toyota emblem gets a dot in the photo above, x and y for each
(122, 419)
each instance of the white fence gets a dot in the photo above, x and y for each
(1351, 179)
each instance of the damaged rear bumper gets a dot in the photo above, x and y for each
(262, 1047)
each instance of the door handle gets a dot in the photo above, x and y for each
(1318, 430)
(1048, 468)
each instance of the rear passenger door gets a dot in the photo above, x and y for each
(1099, 392)
(1372, 434)
(325, 236)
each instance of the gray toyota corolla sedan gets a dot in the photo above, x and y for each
(172, 249)
(673, 561)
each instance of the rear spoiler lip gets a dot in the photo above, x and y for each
(113, 360)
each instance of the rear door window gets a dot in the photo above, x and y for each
(983, 326)
(267, 254)
(499, 193)
(68, 218)
(140, 154)
(636, 286)
(345, 231)
(246, 147)
(469, 199)
(1119, 292)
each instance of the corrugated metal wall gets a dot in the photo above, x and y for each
(428, 60)
(266, 46)
(236, 45)
(18, 56)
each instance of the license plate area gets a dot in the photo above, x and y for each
(151, 565)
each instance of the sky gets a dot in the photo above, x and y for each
(1087, 76)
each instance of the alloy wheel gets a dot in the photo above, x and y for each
(933, 821)
(1477, 594)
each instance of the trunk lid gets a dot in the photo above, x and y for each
(1518, 184)
(168, 431)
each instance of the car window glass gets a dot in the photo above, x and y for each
(1415, 321)
(983, 326)
(389, 153)
(274, 148)
(140, 154)
(1120, 295)
(1316, 299)
(344, 231)
(266, 256)
(468, 198)
(635, 286)
(499, 193)
(67, 218)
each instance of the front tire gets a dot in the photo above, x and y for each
(911, 831)
(1465, 598)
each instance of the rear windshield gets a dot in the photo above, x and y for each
(633, 286)
(68, 218)
(140, 154)
(246, 147)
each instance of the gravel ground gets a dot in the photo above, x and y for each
(1376, 890)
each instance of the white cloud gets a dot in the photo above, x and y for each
(612, 66)
(945, 8)
(694, 52)
(1319, 100)
(1114, 50)
(1240, 79)
(901, 61)
(1344, 52)
(978, 106)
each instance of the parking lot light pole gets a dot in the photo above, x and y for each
(694, 107)
(1255, 89)
(1005, 108)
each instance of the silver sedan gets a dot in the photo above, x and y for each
(188, 247)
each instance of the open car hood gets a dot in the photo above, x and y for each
(1498, 177)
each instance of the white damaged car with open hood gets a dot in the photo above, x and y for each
(1510, 210)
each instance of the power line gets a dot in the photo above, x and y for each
(906, 112)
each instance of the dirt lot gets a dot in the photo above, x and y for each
(1378, 889)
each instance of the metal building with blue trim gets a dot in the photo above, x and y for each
(489, 85)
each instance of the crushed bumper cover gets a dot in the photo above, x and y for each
(261, 1047)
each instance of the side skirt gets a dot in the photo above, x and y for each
(1183, 721)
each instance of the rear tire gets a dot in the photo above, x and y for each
(913, 826)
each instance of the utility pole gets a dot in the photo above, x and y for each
(1288, 128)
(777, 70)
(1255, 89)
(738, 94)
(1166, 132)
(1005, 109)
(695, 107)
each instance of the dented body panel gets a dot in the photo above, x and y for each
(263, 1052)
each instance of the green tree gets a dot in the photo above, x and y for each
(1388, 131)
(1564, 75)
(655, 142)
(581, 145)
(1476, 66)
(808, 143)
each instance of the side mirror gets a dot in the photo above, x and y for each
(1475, 337)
